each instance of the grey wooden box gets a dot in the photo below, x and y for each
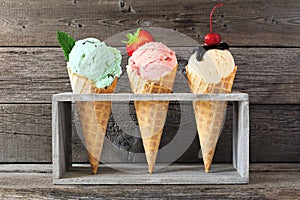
(65, 172)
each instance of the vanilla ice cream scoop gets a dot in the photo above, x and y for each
(213, 66)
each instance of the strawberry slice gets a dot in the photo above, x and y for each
(137, 39)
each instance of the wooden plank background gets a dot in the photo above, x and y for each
(266, 46)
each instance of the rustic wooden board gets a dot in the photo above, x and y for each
(274, 135)
(245, 23)
(33, 75)
(267, 181)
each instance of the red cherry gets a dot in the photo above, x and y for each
(212, 39)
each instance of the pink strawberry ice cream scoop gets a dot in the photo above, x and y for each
(152, 61)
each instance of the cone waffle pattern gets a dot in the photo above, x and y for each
(93, 115)
(151, 115)
(209, 115)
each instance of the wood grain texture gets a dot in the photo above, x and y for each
(265, 35)
(282, 120)
(265, 183)
(33, 75)
(25, 135)
(254, 22)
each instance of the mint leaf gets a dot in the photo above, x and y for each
(66, 43)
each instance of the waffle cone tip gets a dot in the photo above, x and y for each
(94, 164)
(150, 169)
(151, 158)
(94, 169)
(208, 159)
(207, 167)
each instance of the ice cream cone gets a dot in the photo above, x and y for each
(93, 115)
(209, 115)
(151, 115)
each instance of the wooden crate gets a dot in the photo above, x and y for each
(65, 172)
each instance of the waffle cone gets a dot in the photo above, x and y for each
(209, 115)
(93, 115)
(151, 115)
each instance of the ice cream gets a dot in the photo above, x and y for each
(211, 69)
(152, 61)
(214, 65)
(152, 69)
(93, 68)
(94, 60)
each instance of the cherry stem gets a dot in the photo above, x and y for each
(211, 14)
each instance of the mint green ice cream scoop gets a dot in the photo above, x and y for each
(91, 58)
